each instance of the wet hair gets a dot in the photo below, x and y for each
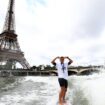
(61, 58)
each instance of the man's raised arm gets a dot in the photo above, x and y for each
(53, 61)
(70, 61)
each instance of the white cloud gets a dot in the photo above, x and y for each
(49, 28)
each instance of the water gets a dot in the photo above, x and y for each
(31, 90)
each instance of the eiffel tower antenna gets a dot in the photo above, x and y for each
(10, 51)
(9, 25)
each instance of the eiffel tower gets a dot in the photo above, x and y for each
(10, 52)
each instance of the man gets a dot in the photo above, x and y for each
(62, 69)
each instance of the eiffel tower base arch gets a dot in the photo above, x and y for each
(11, 58)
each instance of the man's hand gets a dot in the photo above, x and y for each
(57, 57)
(53, 61)
(70, 61)
(67, 57)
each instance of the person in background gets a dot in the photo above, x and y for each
(62, 70)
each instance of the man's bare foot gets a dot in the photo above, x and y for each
(64, 101)
(60, 103)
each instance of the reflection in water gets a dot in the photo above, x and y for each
(83, 90)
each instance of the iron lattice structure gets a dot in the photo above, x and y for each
(10, 51)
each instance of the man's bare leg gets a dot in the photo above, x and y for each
(61, 95)
(64, 95)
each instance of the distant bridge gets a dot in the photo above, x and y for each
(26, 72)
(84, 71)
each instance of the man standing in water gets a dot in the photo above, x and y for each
(62, 69)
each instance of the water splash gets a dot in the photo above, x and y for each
(82, 90)
(88, 90)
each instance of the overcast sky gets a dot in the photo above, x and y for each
(50, 28)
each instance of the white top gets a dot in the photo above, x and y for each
(62, 69)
